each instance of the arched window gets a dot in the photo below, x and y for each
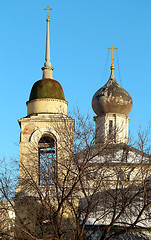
(47, 156)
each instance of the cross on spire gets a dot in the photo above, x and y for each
(112, 66)
(48, 9)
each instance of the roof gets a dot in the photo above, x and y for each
(112, 98)
(47, 88)
(115, 154)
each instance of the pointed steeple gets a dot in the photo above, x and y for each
(47, 96)
(47, 69)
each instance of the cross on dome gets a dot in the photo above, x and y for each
(112, 66)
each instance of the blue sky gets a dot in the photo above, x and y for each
(81, 31)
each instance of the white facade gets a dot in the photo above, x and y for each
(112, 127)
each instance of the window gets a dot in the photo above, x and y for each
(110, 127)
(47, 155)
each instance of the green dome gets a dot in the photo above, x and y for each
(46, 88)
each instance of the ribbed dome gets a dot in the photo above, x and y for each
(46, 88)
(112, 98)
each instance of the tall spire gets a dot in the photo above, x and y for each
(47, 69)
(112, 65)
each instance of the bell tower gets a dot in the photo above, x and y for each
(46, 137)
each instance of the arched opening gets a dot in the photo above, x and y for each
(47, 159)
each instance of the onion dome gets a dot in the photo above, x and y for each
(47, 88)
(112, 98)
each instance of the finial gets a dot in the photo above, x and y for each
(47, 12)
(47, 69)
(112, 65)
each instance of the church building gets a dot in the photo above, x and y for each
(71, 193)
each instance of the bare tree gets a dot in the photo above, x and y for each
(85, 190)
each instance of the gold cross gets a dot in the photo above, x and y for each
(112, 52)
(47, 11)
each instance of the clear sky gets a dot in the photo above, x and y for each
(80, 33)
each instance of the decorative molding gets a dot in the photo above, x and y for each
(37, 134)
